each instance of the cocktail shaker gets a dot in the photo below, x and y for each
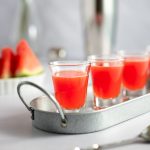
(99, 20)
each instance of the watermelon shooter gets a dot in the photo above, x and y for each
(135, 74)
(70, 81)
(106, 73)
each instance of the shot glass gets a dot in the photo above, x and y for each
(135, 74)
(70, 81)
(148, 82)
(106, 74)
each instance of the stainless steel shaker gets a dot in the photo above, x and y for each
(99, 20)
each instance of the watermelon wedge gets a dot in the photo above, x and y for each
(27, 63)
(7, 63)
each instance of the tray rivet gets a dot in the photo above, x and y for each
(64, 123)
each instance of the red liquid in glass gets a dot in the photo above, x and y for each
(70, 88)
(135, 73)
(149, 69)
(106, 81)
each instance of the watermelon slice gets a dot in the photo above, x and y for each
(27, 63)
(7, 63)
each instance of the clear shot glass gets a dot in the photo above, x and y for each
(106, 73)
(135, 73)
(70, 81)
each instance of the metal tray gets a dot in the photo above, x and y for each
(46, 117)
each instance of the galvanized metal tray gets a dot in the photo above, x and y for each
(48, 115)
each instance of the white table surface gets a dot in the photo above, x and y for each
(17, 133)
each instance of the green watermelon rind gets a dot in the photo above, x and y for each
(26, 73)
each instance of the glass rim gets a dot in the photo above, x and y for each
(105, 58)
(132, 53)
(69, 63)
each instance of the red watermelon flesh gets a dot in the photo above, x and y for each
(7, 63)
(27, 63)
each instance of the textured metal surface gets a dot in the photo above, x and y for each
(46, 118)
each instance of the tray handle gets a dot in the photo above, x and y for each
(50, 96)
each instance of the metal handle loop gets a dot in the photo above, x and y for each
(50, 96)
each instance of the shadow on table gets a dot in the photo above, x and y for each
(20, 125)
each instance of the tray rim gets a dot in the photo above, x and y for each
(89, 112)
